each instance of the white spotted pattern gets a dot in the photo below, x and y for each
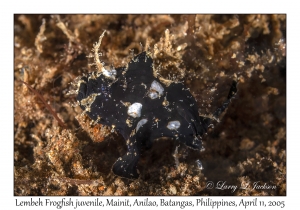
(156, 90)
(140, 124)
(173, 125)
(134, 110)
(109, 73)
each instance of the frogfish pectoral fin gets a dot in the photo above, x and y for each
(126, 166)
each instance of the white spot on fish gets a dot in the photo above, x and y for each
(134, 110)
(173, 125)
(156, 90)
(109, 73)
(140, 124)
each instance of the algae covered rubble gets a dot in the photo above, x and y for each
(60, 152)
